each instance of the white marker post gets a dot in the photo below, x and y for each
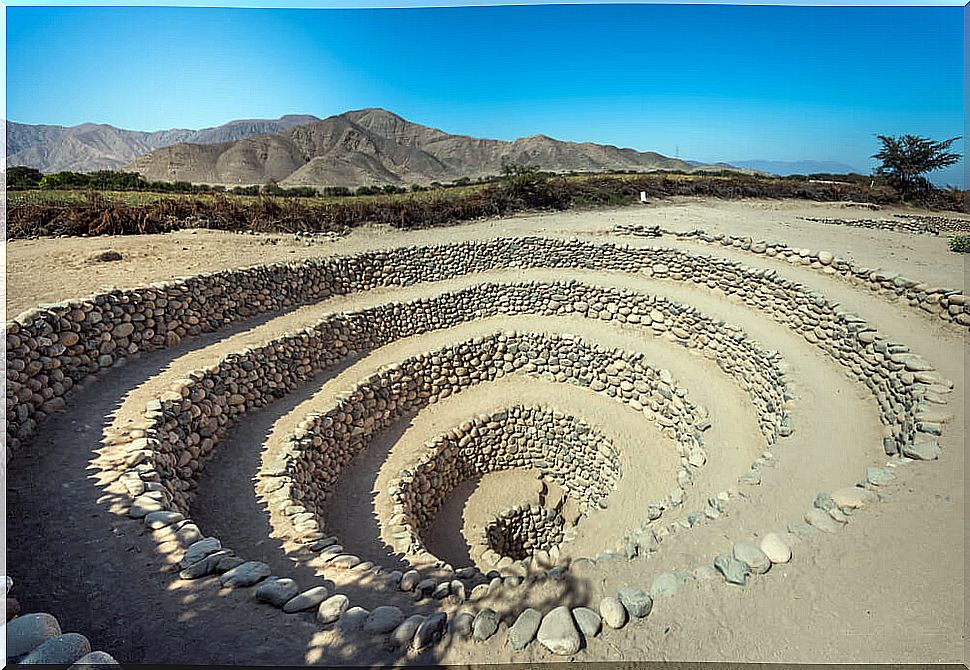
(643, 196)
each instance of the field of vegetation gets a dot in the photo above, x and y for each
(63, 210)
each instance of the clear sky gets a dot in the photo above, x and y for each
(699, 81)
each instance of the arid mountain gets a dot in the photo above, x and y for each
(785, 168)
(91, 146)
(375, 147)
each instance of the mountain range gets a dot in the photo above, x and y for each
(361, 147)
(97, 146)
(375, 147)
(785, 168)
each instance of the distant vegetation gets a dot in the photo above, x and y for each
(960, 243)
(519, 188)
(26, 178)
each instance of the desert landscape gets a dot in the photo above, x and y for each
(751, 433)
(493, 335)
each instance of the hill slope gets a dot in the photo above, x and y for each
(90, 146)
(373, 147)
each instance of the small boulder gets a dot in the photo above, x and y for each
(820, 520)
(95, 660)
(461, 624)
(558, 633)
(852, 497)
(332, 608)
(775, 548)
(590, 623)
(277, 592)
(665, 584)
(524, 630)
(61, 650)
(27, 632)
(733, 570)
(752, 557)
(307, 600)
(613, 612)
(636, 602)
(409, 580)
(247, 574)
(403, 635)
(429, 631)
(383, 619)
(923, 451)
(353, 620)
(485, 624)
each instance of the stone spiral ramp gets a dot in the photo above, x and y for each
(71, 536)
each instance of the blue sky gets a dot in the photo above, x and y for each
(705, 82)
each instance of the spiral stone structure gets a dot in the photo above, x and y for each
(412, 452)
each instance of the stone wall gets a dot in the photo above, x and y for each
(567, 451)
(524, 531)
(52, 349)
(328, 442)
(945, 303)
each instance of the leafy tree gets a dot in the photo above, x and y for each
(526, 185)
(336, 191)
(23, 177)
(111, 180)
(244, 190)
(906, 158)
(60, 180)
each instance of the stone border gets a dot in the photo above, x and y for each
(326, 442)
(223, 559)
(947, 304)
(901, 383)
(515, 437)
(36, 638)
(904, 223)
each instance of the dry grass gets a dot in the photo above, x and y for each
(46, 213)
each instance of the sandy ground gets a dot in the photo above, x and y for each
(49, 270)
(889, 588)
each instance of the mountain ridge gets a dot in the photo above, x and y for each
(786, 168)
(373, 146)
(87, 147)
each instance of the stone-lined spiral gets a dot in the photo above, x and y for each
(159, 460)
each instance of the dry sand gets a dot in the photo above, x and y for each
(889, 588)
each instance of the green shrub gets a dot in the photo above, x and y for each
(244, 190)
(960, 243)
(525, 186)
(21, 177)
(336, 191)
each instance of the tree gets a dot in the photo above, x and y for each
(23, 177)
(528, 186)
(62, 180)
(905, 159)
